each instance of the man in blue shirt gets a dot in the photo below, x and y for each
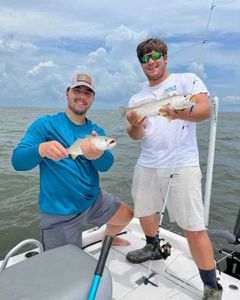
(70, 195)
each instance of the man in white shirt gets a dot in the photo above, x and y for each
(170, 148)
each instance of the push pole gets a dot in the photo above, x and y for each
(210, 162)
(100, 266)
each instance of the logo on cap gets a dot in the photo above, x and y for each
(85, 78)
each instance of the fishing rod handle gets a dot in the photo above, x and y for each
(103, 255)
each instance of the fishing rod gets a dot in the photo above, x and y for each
(212, 139)
(205, 39)
(100, 266)
(167, 251)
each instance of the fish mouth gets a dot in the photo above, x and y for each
(112, 142)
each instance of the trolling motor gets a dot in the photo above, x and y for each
(233, 261)
(233, 258)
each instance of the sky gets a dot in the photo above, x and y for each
(42, 44)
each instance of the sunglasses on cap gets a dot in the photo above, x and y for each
(155, 56)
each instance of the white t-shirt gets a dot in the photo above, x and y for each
(169, 144)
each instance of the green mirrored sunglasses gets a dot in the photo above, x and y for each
(155, 56)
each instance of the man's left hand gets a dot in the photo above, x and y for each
(169, 113)
(89, 150)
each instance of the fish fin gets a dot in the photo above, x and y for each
(192, 98)
(140, 118)
(76, 142)
(89, 137)
(73, 156)
(162, 113)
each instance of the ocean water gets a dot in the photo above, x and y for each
(19, 190)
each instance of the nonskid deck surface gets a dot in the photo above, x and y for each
(128, 279)
(177, 277)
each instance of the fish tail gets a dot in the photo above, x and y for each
(123, 111)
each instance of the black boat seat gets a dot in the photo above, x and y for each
(64, 273)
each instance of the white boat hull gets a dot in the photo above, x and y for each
(176, 277)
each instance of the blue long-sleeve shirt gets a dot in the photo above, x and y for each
(67, 186)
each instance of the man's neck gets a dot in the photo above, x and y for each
(160, 79)
(75, 118)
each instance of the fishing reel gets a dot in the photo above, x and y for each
(165, 250)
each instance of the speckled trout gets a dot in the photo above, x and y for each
(100, 142)
(150, 107)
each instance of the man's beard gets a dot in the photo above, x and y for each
(79, 112)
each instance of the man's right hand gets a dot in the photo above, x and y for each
(134, 119)
(53, 150)
(135, 127)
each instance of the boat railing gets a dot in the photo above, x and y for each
(14, 250)
(210, 161)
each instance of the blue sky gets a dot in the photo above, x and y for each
(42, 43)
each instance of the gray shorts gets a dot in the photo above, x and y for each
(59, 230)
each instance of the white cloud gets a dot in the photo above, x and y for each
(42, 43)
(42, 65)
(11, 44)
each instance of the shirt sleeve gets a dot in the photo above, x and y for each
(25, 156)
(104, 162)
(197, 85)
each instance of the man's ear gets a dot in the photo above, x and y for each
(67, 91)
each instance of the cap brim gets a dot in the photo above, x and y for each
(82, 83)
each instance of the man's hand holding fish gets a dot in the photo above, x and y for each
(134, 119)
(173, 114)
(90, 151)
(53, 150)
(195, 112)
(136, 125)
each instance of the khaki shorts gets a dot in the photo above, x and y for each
(184, 203)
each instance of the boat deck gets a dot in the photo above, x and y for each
(177, 277)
